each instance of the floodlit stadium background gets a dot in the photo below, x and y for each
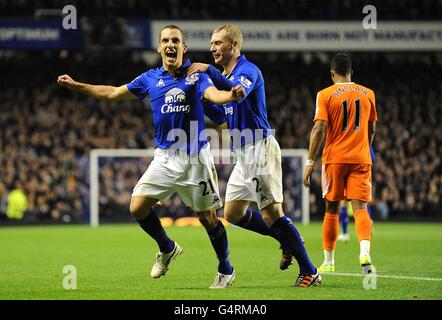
(47, 132)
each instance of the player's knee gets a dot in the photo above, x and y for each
(205, 221)
(358, 205)
(272, 213)
(332, 206)
(208, 219)
(234, 211)
(135, 211)
(141, 207)
(233, 216)
(269, 220)
(138, 210)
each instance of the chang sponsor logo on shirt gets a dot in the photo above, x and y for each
(175, 101)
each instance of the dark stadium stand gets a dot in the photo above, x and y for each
(46, 132)
(233, 9)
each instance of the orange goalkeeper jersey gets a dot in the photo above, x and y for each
(347, 108)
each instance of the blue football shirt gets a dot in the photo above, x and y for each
(214, 112)
(176, 103)
(250, 112)
(372, 154)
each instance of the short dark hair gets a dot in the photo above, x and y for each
(341, 63)
(172, 26)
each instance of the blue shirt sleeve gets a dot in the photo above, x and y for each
(140, 86)
(372, 154)
(215, 112)
(246, 77)
(203, 83)
(221, 82)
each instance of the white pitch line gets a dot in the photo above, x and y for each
(380, 276)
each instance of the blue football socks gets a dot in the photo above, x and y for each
(370, 212)
(343, 219)
(253, 221)
(218, 237)
(294, 244)
(152, 226)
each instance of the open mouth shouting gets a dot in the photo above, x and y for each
(171, 56)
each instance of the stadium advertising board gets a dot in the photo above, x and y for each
(318, 35)
(137, 34)
(32, 34)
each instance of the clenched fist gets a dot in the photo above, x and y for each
(67, 81)
(238, 92)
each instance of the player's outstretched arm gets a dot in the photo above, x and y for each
(214, 95)
(316, 138)
(100, 92)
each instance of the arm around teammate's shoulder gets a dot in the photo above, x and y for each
(101, 92)
(219, 80)
(214, 95)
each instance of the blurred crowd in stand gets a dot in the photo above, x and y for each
(47, 132)
(232, 9)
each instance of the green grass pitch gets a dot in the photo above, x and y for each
(114, 261)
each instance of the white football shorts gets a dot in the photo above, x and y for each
(195, 181)
(257, 175)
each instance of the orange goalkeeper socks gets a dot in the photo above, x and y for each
(330, 230)
(363, 224)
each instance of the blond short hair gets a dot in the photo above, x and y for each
(233, 33)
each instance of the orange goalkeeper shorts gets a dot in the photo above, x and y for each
(346, 182)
